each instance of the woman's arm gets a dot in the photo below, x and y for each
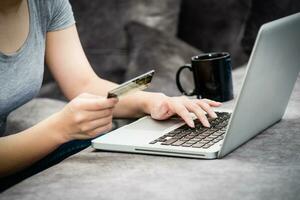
(84, 117)
(74, 74)
(71, 69)
(21, 150)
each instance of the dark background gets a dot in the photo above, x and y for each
(123, 39)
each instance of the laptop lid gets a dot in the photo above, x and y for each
(271, 74)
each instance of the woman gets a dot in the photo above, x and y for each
(34, 30)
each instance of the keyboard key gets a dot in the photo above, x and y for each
(207, 139)
(206, 146)
(218, 133)
(189, 137)
(219, 126)
(184, 139)
(198, 145)
(176, 131)
(178, 143)
(170, 135)
(200, 135)
(221, 137)
(211, 137)
(216, 140)
(210, 131)
(205, 134)
(162, 140)
(182, 134)
(153, 142)
(215, 134)
(169, 141)
(187, 145)
(194, 140)
(194, 133)
(198, 132)
(190, 142)
(177, 136)
(211, 143)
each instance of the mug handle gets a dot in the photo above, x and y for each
(179, 86)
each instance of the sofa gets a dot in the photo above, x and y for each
(106, 29)
(123, 39)
(266, 167)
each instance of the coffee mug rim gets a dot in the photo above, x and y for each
(222, 55)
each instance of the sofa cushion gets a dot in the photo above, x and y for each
(266, 167)
(101, 29)
(263, 12)
(213, 25)
(32, 113)
(153, 49)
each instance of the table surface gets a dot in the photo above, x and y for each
(266, 167)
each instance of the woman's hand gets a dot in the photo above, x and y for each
(161, 107)
(86, 116)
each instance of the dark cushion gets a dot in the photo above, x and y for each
(213, 25)
(263, 12)
(152, 49)
(101, 29)
(32, 113)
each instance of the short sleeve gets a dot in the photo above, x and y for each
(61, 15)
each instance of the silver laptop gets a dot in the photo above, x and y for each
(271, 74)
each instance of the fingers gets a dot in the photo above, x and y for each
(199, 107)
(88, 115)
(102, 129)
(182, 111)
(212, 103)
(95, 124)
(93, 115)
(206, 107)
(193, 107)
(94, 103)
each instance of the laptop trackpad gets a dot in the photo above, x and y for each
(149, 124)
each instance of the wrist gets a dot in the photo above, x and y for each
(58, 127)
(148, 101)
(145, 102)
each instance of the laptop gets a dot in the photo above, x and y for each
(271, 73)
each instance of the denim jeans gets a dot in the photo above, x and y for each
(53, 158)
(2, 124)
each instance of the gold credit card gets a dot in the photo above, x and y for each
(136, 84)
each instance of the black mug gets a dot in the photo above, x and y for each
(212, 76)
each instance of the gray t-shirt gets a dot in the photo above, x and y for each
(21, 73)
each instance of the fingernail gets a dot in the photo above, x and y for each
(206, 124)
(192, 124)
(214, 115)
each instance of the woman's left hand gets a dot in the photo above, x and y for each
(162, 107)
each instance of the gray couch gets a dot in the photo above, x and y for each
(208, 25)
(266, 167)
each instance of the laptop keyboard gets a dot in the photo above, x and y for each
(198, 137)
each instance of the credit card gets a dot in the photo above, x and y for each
(136, 84)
